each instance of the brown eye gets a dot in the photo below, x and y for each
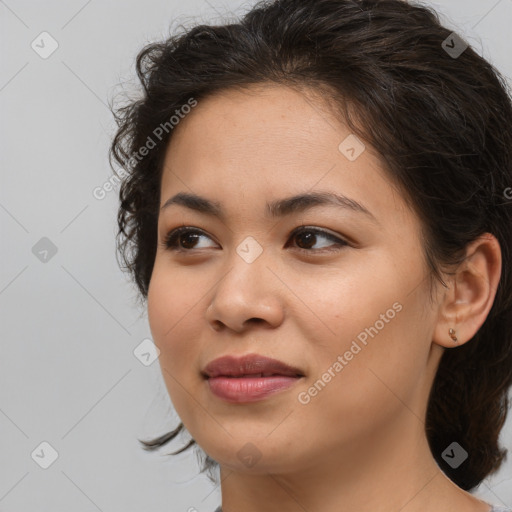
(183, 239)
(308, 237)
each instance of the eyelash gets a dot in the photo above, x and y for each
(171, 239)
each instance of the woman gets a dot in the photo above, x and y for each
(316, 205)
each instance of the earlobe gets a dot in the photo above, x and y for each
(471, 293)
(452, 333)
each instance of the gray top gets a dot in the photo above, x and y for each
(495, 508)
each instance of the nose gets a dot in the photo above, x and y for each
(248, 294)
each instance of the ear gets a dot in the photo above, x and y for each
(470, 294)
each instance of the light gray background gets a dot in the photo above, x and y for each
(70, 325)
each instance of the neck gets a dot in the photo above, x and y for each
(394, 471)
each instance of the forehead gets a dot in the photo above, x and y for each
(271, 141)
(275, 116)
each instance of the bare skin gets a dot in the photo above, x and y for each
(358, 444)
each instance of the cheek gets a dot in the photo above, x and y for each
(170, 306)
(382, 334)
(383, 366)
(174, 327)
(348, 304)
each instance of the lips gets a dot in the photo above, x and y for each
(250, 378)
(251, 365)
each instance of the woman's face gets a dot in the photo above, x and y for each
(348, 306)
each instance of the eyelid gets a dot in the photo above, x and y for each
(174, 233)
(323, 231)
(338, 241)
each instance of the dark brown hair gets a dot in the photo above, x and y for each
(441, 123)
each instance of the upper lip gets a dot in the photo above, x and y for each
(250, 364)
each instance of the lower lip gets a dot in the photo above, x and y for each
(249, 389)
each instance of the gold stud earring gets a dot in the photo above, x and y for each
(451, 332)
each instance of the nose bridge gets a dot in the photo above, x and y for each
(249, 250)
(245, 291)
(247, 270)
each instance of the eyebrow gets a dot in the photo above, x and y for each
(278, 208)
